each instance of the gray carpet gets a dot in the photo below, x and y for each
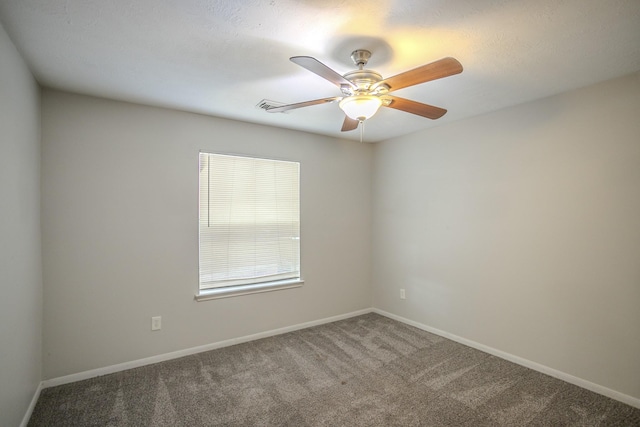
(364, 371)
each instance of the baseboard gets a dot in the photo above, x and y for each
(194, 350)
(32, 405)
(596, 388)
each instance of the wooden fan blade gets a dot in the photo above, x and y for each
(288, 107)
(349, 124)
(436, 70)
(413, 107)
(322, 70)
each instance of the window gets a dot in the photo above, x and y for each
(249, 225)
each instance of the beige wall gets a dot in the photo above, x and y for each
(520, 230)
(20, 262)
(120, 237)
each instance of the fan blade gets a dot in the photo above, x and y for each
(322, 70)
(349, 124)
(436, 70)
(288, 107)
(413, 107)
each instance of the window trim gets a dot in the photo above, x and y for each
(253, 288)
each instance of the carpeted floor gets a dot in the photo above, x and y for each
(364, 371)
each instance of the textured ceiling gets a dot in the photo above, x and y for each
(222, 57)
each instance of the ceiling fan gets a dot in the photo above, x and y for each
(365, 91)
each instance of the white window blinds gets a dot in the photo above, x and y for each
(249, 220)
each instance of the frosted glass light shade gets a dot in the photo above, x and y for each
(360, 107)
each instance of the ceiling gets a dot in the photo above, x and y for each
(222, 57)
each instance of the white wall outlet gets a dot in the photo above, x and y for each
(156, 323)
(402, 294)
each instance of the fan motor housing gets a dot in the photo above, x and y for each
(363, 79)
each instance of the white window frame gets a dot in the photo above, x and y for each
(240, 288)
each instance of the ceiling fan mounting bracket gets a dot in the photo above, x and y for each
(360, 57)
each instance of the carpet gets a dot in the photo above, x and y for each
(364, 371)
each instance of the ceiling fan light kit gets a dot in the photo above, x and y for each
(360, 107)
(365, 91)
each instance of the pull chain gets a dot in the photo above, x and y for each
(361, 129)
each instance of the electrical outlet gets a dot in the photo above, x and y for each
(156, 323)
(402, 294)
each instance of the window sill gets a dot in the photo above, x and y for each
(234, 291)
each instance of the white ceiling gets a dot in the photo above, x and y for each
(222, 57)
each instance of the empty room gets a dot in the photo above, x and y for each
(320, 213)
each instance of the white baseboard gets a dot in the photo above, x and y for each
(596, 388)
(189, 351)
(32, 405)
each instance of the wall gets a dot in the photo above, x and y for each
(120, 237)
(20, 260)
(520, 230)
